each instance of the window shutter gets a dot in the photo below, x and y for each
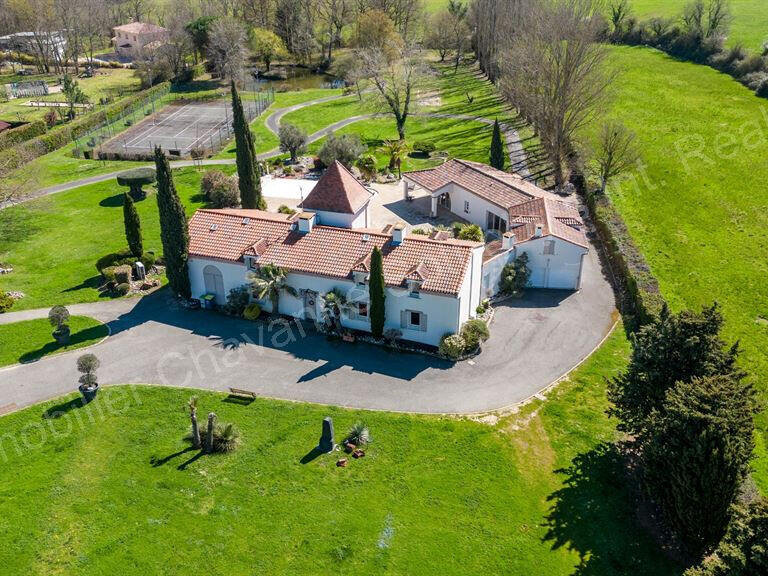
(423, 322)
(403, 319)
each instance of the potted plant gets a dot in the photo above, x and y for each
(87, 365)
(58, 317)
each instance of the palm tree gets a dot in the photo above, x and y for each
(334, 303)
(396, 149)
(269, 281)
(192, 406)
(209, 435)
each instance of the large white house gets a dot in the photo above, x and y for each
(528, 219)
(432, 285)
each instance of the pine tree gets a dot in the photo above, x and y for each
(173, 228)
(698, 454)
(247, 170)
(497, 147)
(377, 294)
(132, 226)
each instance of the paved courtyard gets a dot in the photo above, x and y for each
(533, 342)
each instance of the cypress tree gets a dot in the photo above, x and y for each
(247, 170)
(173, 228)
(497, 147)
(376, 293)
(698, 456)
(132, 226)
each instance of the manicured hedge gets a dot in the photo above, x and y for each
(63, 135)
(22, 133)
(641, 298)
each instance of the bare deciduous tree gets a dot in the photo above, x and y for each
(617, 151)
(439, 33)
(554, 73)
(227, 47)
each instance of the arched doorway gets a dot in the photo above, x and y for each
(214, 283)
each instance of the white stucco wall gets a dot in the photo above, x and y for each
(358, 220)
(492, 273)
(444, 314)
(561, 270)
(478, 207)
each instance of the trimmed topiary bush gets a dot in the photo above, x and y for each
(474, 332)
(424, 147)
(136, 179)
(123, 274)
(252, 311)
(452, 346)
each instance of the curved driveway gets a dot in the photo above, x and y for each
(533, 342)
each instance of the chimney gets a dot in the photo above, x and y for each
(539, 231)
(306, 222)
(398, 233)
(508, 241)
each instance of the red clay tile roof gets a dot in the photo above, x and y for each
(327, 251)
(337, 191)
(140, 28)
(496, 186)
(555, 218)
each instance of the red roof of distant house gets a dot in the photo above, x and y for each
(337, 191)
(555, 218)
(328, 251)
(500, 188)
(140, 28)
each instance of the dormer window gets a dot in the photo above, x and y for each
(361, 278)
(251, 262)
(414, 288)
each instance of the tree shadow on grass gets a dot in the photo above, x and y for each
(156, 462)
(93, 333)
(594, 515)
(61, 409)
(115, 201)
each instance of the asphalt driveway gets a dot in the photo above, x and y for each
(534, 341)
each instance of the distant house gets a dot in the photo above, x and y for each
(524, 217)
(130, 39)
(49, 45)
(433, 284)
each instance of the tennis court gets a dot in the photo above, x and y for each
(181, 127)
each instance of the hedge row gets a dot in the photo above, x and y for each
(641, 298)
(21, 134)
(63, 135)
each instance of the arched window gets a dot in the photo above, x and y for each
(214, 283)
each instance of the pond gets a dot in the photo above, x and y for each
(292, 78)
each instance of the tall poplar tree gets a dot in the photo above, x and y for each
(376, 293)
(132, 225)
(497, 147)
(173, 228)
(247, 170)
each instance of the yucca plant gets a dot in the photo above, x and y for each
(226, 438)
(359, 434)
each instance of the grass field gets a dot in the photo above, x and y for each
(31, 339)
(113, 83)
(53, 243)
(699, 213)
(113, 488)
(750, 18)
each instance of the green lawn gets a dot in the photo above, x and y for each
(31, 339)
(112, 83)
(53, 243)
(114, 488)
(750, 18)
(699, 215)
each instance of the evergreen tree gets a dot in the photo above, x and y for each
(132, 226)
(173, 228)
(674, 348)
(698, 453)
(497, 147)
(247, 170)
(377, 293)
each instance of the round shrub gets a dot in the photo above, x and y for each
(474, 332)
(220, 190)
(424, 147)
(452, 346)
(123, 274)
(471, 232)
(148, 259)
(109, 274)
(6, 302)
(210, 180)
(252, 311)
(122, 289)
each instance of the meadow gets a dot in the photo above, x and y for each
(697, 207)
